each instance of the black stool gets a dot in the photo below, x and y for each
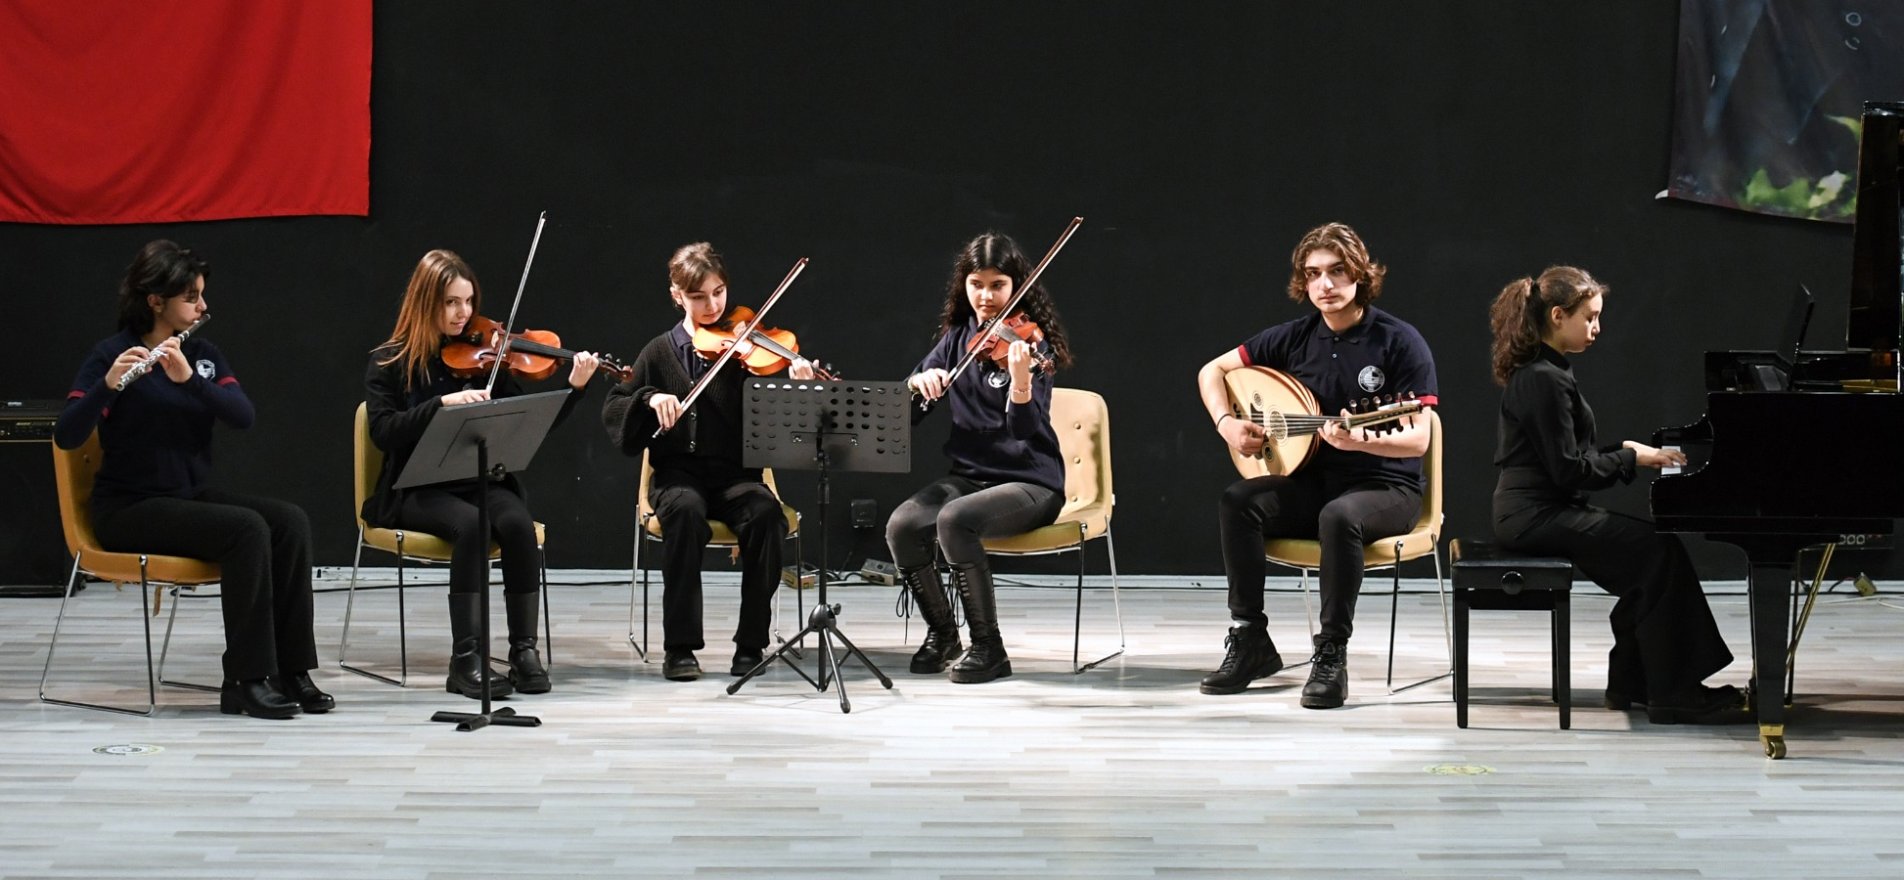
(1490, 577)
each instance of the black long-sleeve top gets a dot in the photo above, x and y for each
(1546, 453)
(706, 440)
(398, 414)
(156, 435)
(994, 440)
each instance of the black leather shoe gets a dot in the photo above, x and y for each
(680, 666)
(1251, 656)
(256, 698)
(1701, 705)
(301, 690)
(1328, 685)
(745, 659)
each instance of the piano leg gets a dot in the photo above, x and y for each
(1769, 585)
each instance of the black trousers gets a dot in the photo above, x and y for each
(450, 513)
(957, 512)
(263, 549)
(1343, 516)
(1665, 640)
(684, 502)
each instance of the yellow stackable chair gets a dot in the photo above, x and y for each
(1083, 424)
(74, 470)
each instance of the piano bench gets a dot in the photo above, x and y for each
(1492, 578)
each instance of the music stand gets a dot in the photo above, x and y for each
(489, 439)
(854, 426)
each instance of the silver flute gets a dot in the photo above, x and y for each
(145, 366)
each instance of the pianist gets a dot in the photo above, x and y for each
(1665, 642)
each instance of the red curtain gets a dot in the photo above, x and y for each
(144, 111)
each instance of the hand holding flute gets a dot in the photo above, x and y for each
(136, 361)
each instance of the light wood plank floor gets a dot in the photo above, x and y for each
(1125, 771)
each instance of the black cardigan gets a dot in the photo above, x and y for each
(705, 440)
(398, 414)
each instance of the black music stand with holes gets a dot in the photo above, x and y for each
(490, 439)
(853, 426)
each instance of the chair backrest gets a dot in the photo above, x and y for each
(644, 510)
(1430, 518)
(1083, 424)
(367, 463)
(73, 471)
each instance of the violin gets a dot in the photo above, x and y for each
(774, 349)
(993, 342)
(533, 354)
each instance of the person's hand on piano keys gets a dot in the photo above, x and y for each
(1647, 456)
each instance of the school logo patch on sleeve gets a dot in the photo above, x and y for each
(1371, 378)
(210, 370)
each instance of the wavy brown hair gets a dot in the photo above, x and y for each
(1520, 311)
(1338, 237)
(997, 251)
(416, 338)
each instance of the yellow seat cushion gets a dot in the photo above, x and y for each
(1065, 533)
(425, 546)
(722, 534)
(124, 568)
(1303, 553)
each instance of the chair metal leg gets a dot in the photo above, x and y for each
(1447, 631)
(641, 646)
(350, 602)
(1077, 631)
(343, 645)
(548, 640)
(165, 647)
(152, 697)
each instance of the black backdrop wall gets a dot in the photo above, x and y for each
(1469, 142)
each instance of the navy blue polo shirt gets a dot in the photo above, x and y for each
(1380, 355)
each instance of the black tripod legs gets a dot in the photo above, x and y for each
(823, 624)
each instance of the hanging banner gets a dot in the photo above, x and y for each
(148, 111)
(1768, 93)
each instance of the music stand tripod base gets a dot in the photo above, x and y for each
(854, 426)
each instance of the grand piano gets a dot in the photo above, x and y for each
(1742, 484)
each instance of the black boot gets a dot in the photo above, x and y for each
(466, 657)
(1251, 656)
(941, 645)
(986, 660)
(526, 671)
(1328, 685)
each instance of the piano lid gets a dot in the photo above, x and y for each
(1877, 248)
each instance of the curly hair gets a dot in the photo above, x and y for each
(1339, 238)
(997, 251)
(1518, 312)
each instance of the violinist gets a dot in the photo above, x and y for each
(697, 463)
(152, 492)
(1359, 485)
(1007, 476)
(406, 382)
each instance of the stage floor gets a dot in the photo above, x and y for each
(1123, 771)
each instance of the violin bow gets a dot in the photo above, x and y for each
(728, 355)
(1017, 297)
(509, 328)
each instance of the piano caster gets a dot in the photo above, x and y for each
(1772, 736)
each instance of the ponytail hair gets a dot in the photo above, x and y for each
(1519, 312)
